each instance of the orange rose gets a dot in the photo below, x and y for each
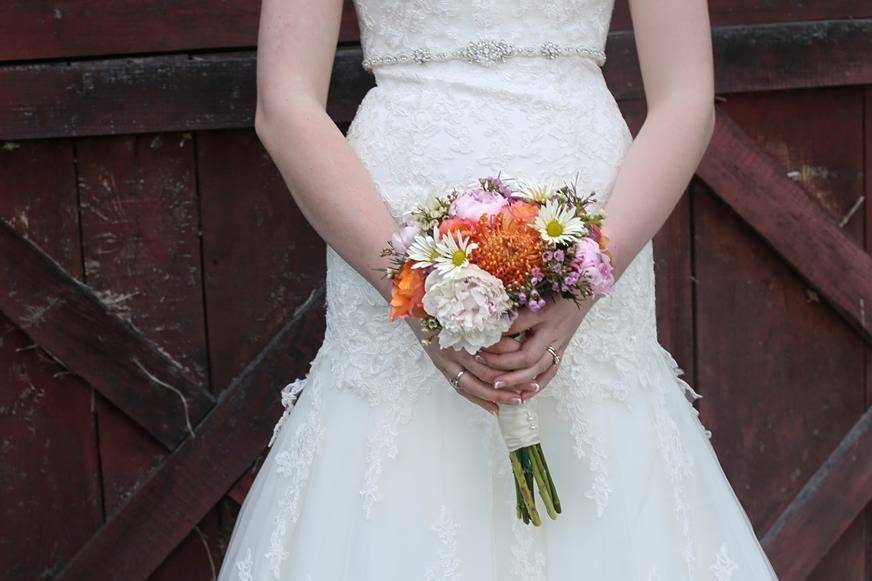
(523, 211)
(465, 228)
(407, 293)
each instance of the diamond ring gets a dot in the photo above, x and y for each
(455, 381)
(554, 354)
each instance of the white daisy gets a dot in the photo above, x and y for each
(424, 249)
(557, 223)
(453, 254)
(537, 193)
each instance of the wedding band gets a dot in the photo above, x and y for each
(455, 381)
(554, 354)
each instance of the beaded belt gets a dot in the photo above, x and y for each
(484, 52)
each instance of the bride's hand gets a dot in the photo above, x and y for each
(476, 384)
(532, 364)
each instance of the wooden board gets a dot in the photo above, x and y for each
(261, 257)
(84, 28)
(774, 423)
(217, 91)
(50, 493)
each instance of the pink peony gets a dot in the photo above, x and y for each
(593, 265)
(402, 238)
(474, 204)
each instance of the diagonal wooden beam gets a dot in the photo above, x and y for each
(195, 476)
(755, 185)
(825, 507)
(66, 319)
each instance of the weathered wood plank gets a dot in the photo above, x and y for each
(262, 259)
(194, 477)
(780, 374)
(140, 222)
(825, 507)
(217, 91)
(754, 185)
(42, 29)
(69, 321)
(48, 440)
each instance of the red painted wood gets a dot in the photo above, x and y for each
(813, 521)
(50, 497)
(674, 286)
(78, 28)
(174, 93)
(755, 185)
(198, 474)
(140, 223)
(798, 387)
(67, 319)
(262, 259)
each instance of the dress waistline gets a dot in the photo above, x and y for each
(485, 52)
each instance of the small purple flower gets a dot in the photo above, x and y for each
(558, 255)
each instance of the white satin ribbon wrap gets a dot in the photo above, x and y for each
(516, 426)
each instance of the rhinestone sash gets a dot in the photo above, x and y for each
(484, 52)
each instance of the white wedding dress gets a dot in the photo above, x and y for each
(380, 471)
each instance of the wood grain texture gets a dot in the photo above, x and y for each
(262, 259)
(754, 185)
(69, 321)
(813, 521)
(41, 29)
(192, 479)
(50, 492)
(217, 91)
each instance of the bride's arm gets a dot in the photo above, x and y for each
(673, 41)
(296, 48)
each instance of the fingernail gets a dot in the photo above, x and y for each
(479, 358)
(535, 387)
(499, 383)
(517, 401)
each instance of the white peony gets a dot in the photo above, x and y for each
(472, 308)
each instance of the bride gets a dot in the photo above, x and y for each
(387, 464)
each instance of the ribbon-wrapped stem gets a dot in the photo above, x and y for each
(519, 425)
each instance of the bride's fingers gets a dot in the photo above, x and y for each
(470, 384)
(488, 406)
(504, 345)
(526, 374)
(543, 381)
(527, 356)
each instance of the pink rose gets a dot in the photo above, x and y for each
(402, 238)
(474, 204)
(593, 266)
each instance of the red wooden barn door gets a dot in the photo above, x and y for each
(158, 286)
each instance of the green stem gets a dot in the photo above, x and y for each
(521, 480)
(553, 489)
(542, 481)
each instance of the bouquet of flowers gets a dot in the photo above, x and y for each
(468, 261)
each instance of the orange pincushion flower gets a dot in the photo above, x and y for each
(407, 293)
(523, 211)
(466, 228)
(508, 248)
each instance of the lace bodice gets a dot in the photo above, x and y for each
(399, 27)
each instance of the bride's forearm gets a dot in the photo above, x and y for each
(330, 185)
(655, 171)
